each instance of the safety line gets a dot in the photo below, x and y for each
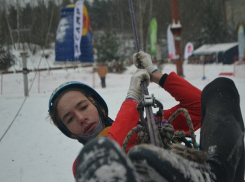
(13, 119)
(31, 84)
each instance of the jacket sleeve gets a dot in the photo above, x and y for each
(74, 168)
(127, 118)
(189, 97)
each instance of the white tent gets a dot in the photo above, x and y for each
(214, 48)
(223, 52)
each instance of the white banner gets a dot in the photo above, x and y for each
(188, 50)
(241, 42)
(171, 45)
(78, 27)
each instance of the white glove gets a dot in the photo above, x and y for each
(134, 90)
(145, 60)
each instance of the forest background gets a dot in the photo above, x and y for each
(28, 24)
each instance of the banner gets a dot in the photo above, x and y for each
(171, 45)
(153, 36)
(86, 22)
(78, 27)
(188, 50)
(241, 42)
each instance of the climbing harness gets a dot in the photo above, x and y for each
(167, 135)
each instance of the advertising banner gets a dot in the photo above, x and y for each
(171, 45)
(78, 27)
(188, 50)
(153, 36)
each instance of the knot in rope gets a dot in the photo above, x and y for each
(143, 137)
(167, 134)
(180, 134)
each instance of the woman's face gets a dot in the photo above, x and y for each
(78, 114)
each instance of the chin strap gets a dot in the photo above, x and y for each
(104, 131)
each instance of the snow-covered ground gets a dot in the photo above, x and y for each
(33, 149)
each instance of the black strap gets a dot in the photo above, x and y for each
(163, 79)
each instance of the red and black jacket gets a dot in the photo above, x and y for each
(188, 96)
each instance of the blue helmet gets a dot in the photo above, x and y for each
(90, 93)
(76, 84)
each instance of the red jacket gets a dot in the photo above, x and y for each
(189, 97)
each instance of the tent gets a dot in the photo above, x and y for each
(219, 53)
(64, 45)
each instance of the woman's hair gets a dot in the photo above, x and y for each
(54, 111)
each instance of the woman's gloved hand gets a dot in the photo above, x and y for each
(145, 60)
(134, 90)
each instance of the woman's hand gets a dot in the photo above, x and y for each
(135, 91)
(145, 60)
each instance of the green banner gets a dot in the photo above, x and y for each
(153, 36)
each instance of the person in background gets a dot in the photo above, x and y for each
(102, 70)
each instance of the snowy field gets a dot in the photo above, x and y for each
(33, 149)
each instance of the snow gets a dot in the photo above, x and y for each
(33, 149)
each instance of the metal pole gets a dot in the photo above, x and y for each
(1, 83)
(25, 72)
(39, 81)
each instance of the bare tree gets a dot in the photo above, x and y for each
(144, 16)
(148, 29)
(10, 32)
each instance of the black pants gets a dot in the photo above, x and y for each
(103, 82)
(222, 132)
(222, 129)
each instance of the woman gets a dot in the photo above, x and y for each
(222, 133)
(80, 112)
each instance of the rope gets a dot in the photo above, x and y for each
(167, 135)
(30, 86)
(166, 132)
(180, 134)
(14, 119)
(136, 129)
(190, 125)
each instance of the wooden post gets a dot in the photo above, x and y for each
(176, 29)
(25, 72)
(204, 77)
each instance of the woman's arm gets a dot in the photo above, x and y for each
(188, 95)
(127, 118)
(189, 98)
(156, 77)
